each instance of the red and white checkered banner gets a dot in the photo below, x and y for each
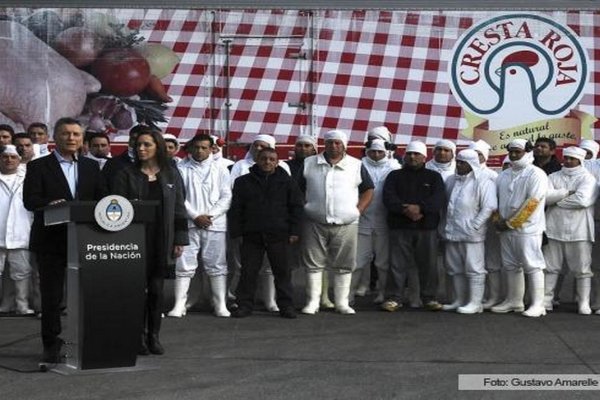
(290, 72)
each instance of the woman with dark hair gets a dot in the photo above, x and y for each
(151, 177)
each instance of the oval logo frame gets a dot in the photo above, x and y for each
(114, 213)
(548, 59)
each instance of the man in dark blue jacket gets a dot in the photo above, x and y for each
(58, 177)
(265, 211)
(414, 197)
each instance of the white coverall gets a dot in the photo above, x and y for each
(472, 199)
(208, 192)
(570, 230)
(373, 237)
(522, 192)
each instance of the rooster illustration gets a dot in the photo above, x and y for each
(518, 91)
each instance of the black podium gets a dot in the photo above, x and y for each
(105, 285)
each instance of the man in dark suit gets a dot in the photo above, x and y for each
(126, 158)
(58, 177)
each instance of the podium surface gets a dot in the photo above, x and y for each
(106, 277)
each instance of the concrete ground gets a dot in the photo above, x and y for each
(409, 354)
(372, 355)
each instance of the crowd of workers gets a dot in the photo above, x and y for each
(342, 219)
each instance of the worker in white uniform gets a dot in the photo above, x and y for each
(522, 192)
(373, 237)
(443, 162)
(338, 191)
(471, 202)
(15, 227)
(493, 261)
(592, 164)
(217, 152)
(572, 192)
(207, 199)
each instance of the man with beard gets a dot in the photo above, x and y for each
(305, 146)
(544, 156)
(443, 159)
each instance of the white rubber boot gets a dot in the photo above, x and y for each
(268, 292)
(341, 290)
(314, 283)
(584, 287)
(494, 281)
(549, 285)
(182, 284)
(22, 297)
(536, 293)
(476, 289)
(326, 302)
(218, 288)
(515, 290)
(459, 286)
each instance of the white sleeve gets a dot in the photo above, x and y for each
(584, 196)
(222, 205)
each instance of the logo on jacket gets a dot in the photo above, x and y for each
(520, 76)
(114, 213)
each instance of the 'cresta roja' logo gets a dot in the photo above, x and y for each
(517, 69)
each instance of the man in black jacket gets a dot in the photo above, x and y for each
(266, 209)
(58, 177)
(126, 158)
(305, 146)
(414, 197)
(544, 156)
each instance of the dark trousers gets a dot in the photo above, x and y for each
(154, 305)
(52, 269)
(412, 249)
(253, 250)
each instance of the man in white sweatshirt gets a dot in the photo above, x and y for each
(522, 192)
(373, 232)
(570, 226)
(471, 201)
(15, 227)
(207, 199)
